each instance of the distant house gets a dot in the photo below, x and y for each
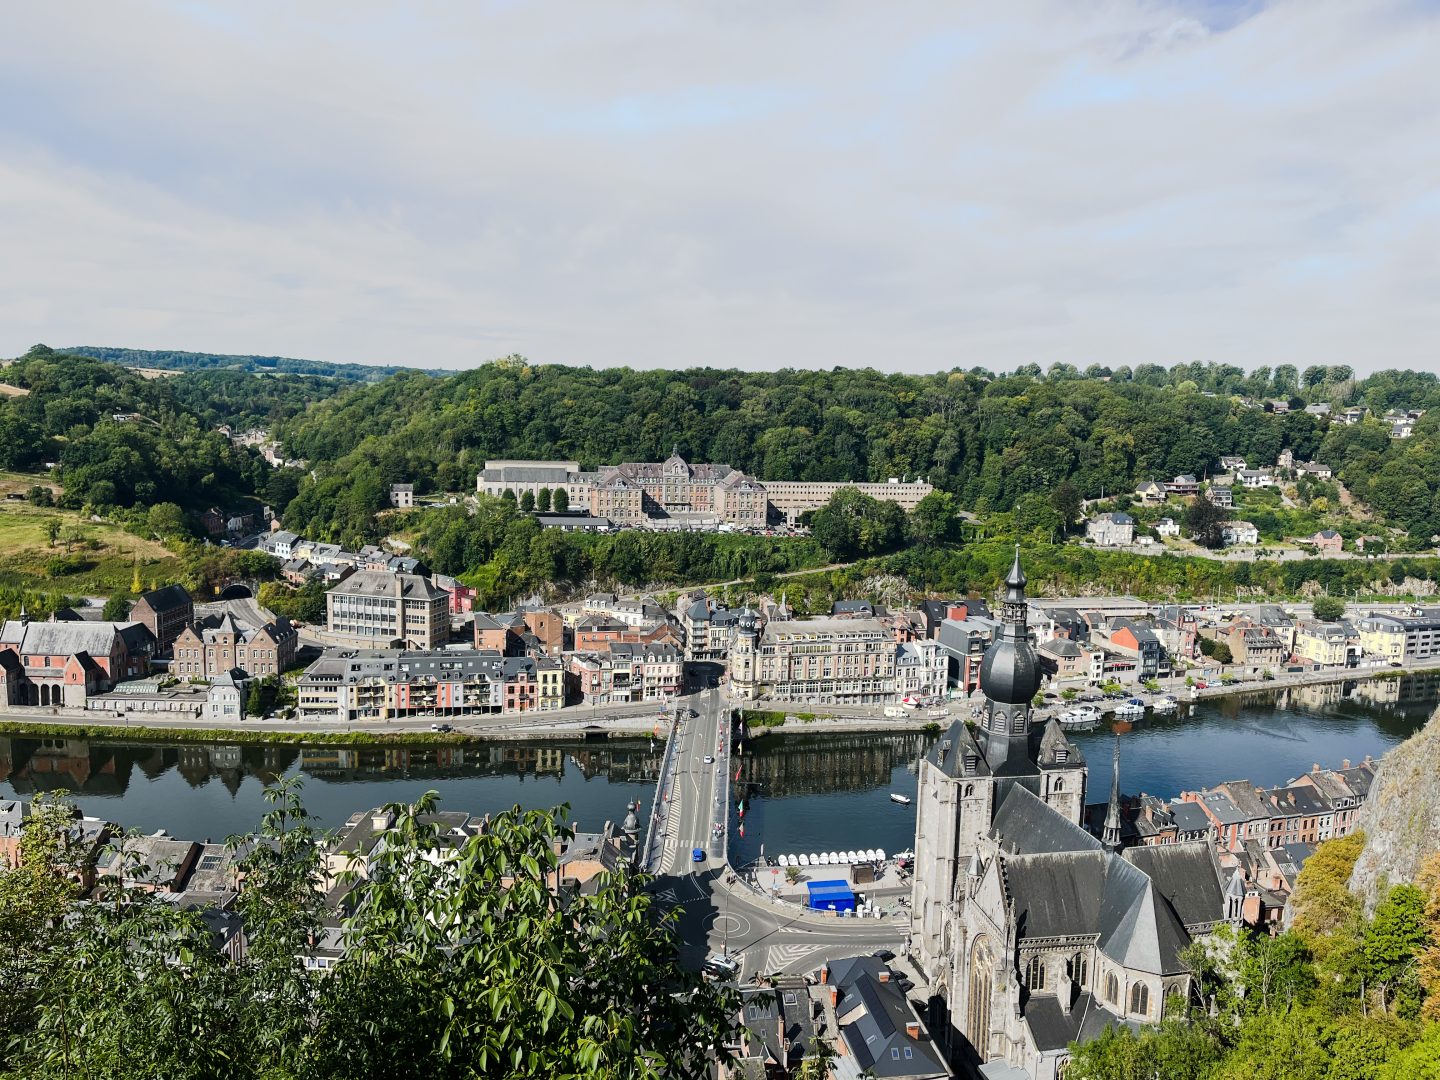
(1150, 492)
(1353, 416)
(1319, 409)
(1222, 496)
(1278, 405)
(1252, 479)
(1315, 470)
(1327, 542)
(1240, 532)
(1111, 530)
(1167, 527)
(1183, 485)
(402, 496)
(1232, 462)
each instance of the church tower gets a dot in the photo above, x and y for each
(1009, 679)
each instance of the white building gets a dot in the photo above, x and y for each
(1240, 532)
(1255, 478)
(920, 669)
(1167, 527)
(1111, 530)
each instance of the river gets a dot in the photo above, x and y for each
(804, 792)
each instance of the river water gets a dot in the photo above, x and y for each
(803, 793)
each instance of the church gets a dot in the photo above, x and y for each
(1032, 933)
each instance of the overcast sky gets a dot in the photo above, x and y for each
(911, 186)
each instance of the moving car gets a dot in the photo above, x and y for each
(441, 727)
(709, 759)
(697, 854)
(721, 967)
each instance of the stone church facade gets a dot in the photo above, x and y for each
(1033, 933)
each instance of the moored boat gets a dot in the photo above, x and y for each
(1080, 717)
(1133, 709)
(896, 797)
(1166, 704)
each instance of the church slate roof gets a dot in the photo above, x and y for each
(1057, 749)
(1025, 825)
(1138, 928)
(1187, 877)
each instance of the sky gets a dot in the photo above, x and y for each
(906, 186)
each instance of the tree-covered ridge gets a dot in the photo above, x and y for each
(173, 360)
(988, 440)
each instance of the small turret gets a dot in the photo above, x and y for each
(1111, 837)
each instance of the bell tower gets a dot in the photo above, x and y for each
(1009, 679)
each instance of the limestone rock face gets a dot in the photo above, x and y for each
(1401, 818)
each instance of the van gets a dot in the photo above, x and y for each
(894, 712)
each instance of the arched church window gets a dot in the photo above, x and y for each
(1140, 999)
(1078, 968)
(1112, 989)
(977, 1012)
(1035, 973)
(969, 790)
(1059, 783)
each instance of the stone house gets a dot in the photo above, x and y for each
(164, 612)
(1115, 529)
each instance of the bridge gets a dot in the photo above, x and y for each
(718, 911)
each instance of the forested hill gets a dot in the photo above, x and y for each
(987, 439)
(171, 360)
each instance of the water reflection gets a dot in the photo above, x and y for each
(780, 766)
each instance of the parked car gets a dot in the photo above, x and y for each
(883, 954)
(697, 854)
(721, 967)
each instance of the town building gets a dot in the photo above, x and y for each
(225, 700)
(920, 670)
(627, 672)
(1327, 542)
(637, 493)
(1138, 640)
(708, 628)
(218, 644)
(1115, 529)
(1327, 644)
(1167, 527)
(1402, 638)
(1222, 495)
(815, 661)
(879, 1033)
(164, 612)
(1032, 933)
(1183, 486)
(1232, 463)
(402, 496)
(1151, 492)
(375, 608)
(347, 685)
(1239, 532)
(1315, 470)
(64, 663)
(1253, 479)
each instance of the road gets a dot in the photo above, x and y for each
(717, 912)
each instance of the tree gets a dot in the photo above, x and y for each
(255, 700)
(508, 495)
(1067, 503)
(52, 530)
(934, 517)
(1206, 522)
(1394, 940)
(167, 520)
(1328, 608)
(41, 496)
(542, 500)
(117, 607)
(792, 874)
(527, 501)
(560, 501)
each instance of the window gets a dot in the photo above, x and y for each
(1140, 999)
(1078, 968)
(1112, 989)
(1035, 973)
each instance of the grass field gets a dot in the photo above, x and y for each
(100, 563)
(23, 482)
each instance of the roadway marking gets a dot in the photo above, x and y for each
(726, 923)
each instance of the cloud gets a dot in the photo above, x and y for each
(913, 188)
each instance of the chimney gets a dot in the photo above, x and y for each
(912, 1028)
(1345, 763)
(824, 974)
(834, 996)
(1315, 768)
(884, 975)
(381, 820)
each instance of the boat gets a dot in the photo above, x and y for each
(1133, 709)
(1080, 717)
(903, 800)
(1166, 704)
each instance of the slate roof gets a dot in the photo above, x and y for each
(1056, 747)
(67, 638)
(1062, 647)
(1053, 1030)
(167, 598)
(1186, 875)
(381, 583)
(879, 1027)
(1188, 817)
(1024, 825)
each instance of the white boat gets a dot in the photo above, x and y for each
(1165, 704)
(1130, 710)
(903, 800)
(1080, 717)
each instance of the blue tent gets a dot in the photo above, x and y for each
(831, 896)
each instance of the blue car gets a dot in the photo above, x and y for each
(697, 855)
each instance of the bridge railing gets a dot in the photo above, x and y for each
(659, 809)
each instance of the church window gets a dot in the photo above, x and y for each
(1112, 989)
(1035, 973)
(1140, 999)
(977, 1016)
(1059, 783)
(1078, 967)
(969, 790)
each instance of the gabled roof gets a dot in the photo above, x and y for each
(167, 598)
(1186, 875)
(1025, 825)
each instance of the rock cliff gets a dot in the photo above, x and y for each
(1401, 818)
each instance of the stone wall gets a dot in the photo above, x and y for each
(1401, 818)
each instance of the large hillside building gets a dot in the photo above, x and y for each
(636, 492)
(377, 609)
(64, 663)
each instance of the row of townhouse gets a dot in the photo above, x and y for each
(347, 685)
